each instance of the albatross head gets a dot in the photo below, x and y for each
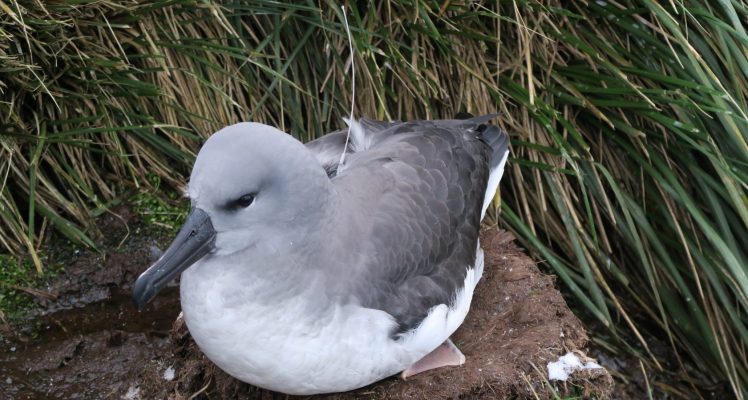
(249, 181)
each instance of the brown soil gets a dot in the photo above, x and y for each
(90, 343)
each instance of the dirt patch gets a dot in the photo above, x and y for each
(89, 342)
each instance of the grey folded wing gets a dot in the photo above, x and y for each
(425, 185)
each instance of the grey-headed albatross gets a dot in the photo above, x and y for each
(303, 275)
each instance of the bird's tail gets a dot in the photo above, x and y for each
(498, 141)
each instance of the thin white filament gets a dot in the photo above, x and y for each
(353, 89)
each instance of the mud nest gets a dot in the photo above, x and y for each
(518, 322)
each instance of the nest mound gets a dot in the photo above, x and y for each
(518, 323)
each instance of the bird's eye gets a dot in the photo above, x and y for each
(246, 200)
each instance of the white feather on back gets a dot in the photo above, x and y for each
(358, 140)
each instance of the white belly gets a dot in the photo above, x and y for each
(286, 347)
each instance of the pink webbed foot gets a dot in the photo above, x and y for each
(447, 354)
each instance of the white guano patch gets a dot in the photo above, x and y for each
(133, 393)
(169, 373)
(566, 365)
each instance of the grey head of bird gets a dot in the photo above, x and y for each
(251, 184)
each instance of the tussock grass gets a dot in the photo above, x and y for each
(628, 121)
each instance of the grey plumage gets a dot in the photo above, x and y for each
(305, 276)
(425, 186)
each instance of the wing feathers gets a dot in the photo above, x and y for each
(419, 190)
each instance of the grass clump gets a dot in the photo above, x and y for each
(14, 275)
(159, 208)
(629, 175)
(19, 286)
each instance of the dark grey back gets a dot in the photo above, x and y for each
(427, 181)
